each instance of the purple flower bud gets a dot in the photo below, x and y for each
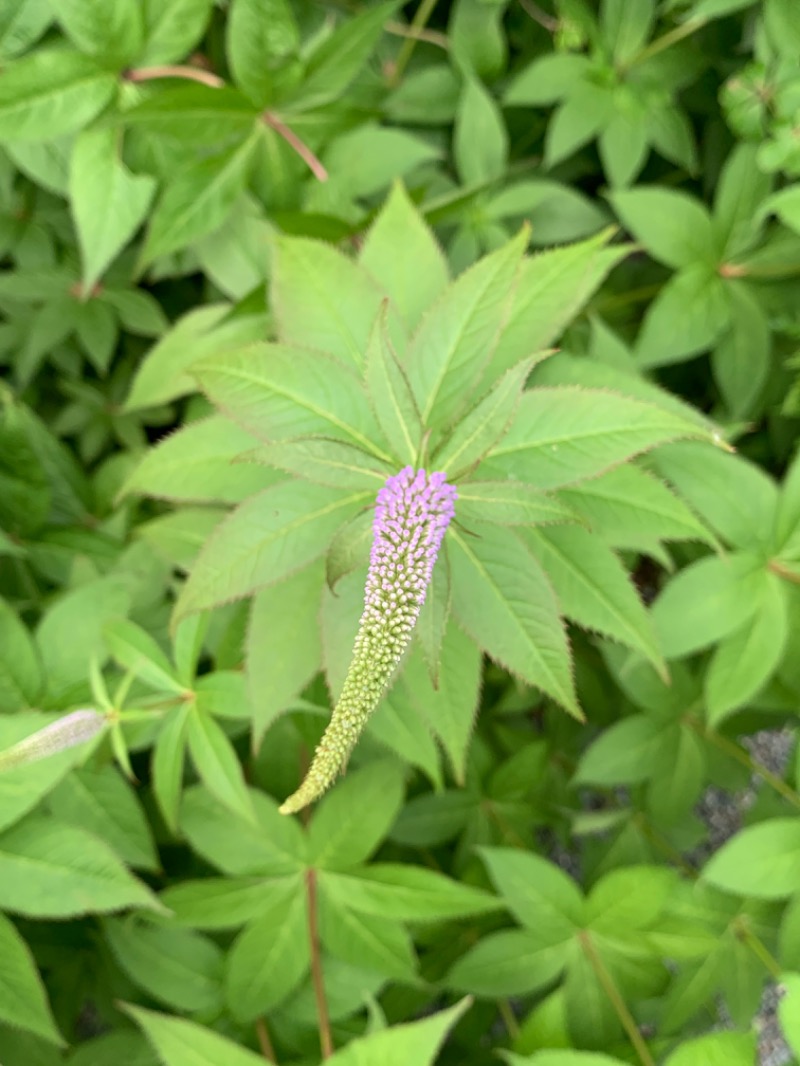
(412, 513)
(67, 732)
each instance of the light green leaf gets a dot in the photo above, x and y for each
(745, 660)
(23, 1000)
(480, 138)
(789, 1010)
(324, 301)
(416, 1042)
(434, 616)
(510, 963)
(218, 903)
(741, 360)
(50, 93)
(270, 537)
(163, 374)
(49, 869)
(138, 652)
(270, 958)
(415, 279)
(540, 895)
(407, 893)
(283, 650)
(325, 462)
(274, 847)
(277, 392)
(20, 671)
(509, 503)
(364, 160)
(760, 860)
(262, 35)
(172, 29)
(371, 943)
(111, 32)
(564, 434)
(674, 228)
(562, 1057)
(352, 820)
(198, 463)
(546, 80)
(454, 343)
(217, 763)
(593, 588)
(21, 24)
(177, 967)
(622, 754)
(740, 191)
(480, 429)
(688, 316)
(390, 393)
(716, 1049)
(626, 26)
(103, 803)
(180, 1042)
(587, 109)
(504, 601)
(169, 757)
(197, 200)
(737, 498)
(108, 202)
(624, 144)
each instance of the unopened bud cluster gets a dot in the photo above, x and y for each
(412, 513)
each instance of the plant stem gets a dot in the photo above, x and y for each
(302, 149)
(264, 1042)
(418, 23)
(663, 845)
(742, 756)
(742, 929)
(205, 77)
(325, 1038)
(398, 29)
(507, 1014)
(617, 1002)
(538, 15)
(660, 44)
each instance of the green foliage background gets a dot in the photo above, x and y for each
(257, 255)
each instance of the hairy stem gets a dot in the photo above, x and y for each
(302, 149)
(325, 1038)
(617, 1002)
(205, 77)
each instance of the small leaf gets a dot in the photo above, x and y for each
(415, 1042)
(218, 903)
(391, 395)
(23, 1000)
(178, 1041)
(675, 228)
(622, 755)
(546, 80)
(688, 316)
(136, 650)
(262, 36)
(505, 603)
(172, 29)
(378, 944)
(112, 32)
(415, 279)
(509, 503)
(325, 462)
(761, 860)
(169, 755)
(480, 139)
(509, 963)
(108, 202)
(217, 764)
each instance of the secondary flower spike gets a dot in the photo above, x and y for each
(412, 513)
(67, 732)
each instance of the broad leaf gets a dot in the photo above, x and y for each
(326, 462)
(112, 32)
(391, 395)
(673, 227)
(23, 1000)
(416, 1042)
(510, 963)
(217, 763)
(760, 860)
(378, 944)
(506, 604)
(178, 1041)
(688, 316)
(509, 503)
(218, 903)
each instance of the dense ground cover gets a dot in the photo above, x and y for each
(258, 258)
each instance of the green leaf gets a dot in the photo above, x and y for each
(688, 316)
(172, 29)
(218, 903)
(352, 820)
(624, 144)
(541, 896)
(622, 755)
(197, 200)
(198, 463)
(269, 959)
(737, 498)
(761, 860)
(741, 359)
(740, 191)
(163, 374)
(434, 617)
(325, 462)
(136, 650)
(674, 228)
(546, 80)
(217, 764)
(556, 212)
(504, 601)
(274, 847)
(416, 1042)
(564, 434)
(277, 392)
(179, 1042)
(480, 139)
(23, 1000)
(49, 869)
(108, 202)
(716, 1049)
(562, 1057)
(177, 967)
(745, 660)
(378, 944)
(103, 803)
(122, 1045)
(169, 757)
(587, 109)
(261, 36)
(112, 32)
(270, 537)
(479, 430)
(363, 161)
(283, 650)
(789, 1009)
(415, 279)
(455, 340)
(391, 396)
(324, 301)
(21, 24)
(20, 671)
(706, 602)
(407, 893)
(593, 588)
(510, 963)
(50, 93)
(340, 56)
(626, 26)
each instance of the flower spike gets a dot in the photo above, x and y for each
(67, 732)
(412, 513)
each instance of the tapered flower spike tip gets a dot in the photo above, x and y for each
(67, 732)
(412, 513)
